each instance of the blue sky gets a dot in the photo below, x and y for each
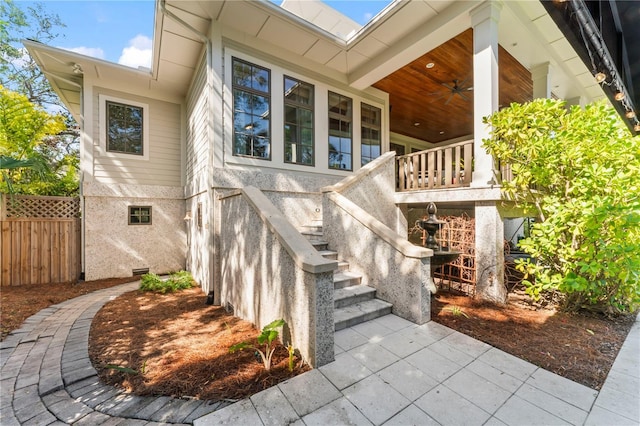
(122, 31)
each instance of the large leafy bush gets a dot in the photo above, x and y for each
(578, 171)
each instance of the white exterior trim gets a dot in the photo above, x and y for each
(102, 147)
(321, 119)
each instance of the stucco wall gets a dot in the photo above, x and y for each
(373, 189)
(113, 248)
(262, 283)
(296, 195)
(403, 281)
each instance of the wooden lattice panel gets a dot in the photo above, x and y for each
(459, 232)
(26, 206)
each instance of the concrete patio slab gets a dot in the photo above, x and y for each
(388, 371)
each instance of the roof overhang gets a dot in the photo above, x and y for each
(606, 36)
(68, 72)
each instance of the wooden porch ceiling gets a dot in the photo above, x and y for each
(417, 94)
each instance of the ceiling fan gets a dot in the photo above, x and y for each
(458, 89)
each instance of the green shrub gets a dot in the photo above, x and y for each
(176, 281)
(577, 171)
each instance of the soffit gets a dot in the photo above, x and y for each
(402, 33)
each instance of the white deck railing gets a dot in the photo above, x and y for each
(446, 167)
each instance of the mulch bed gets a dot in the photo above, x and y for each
(178, 346)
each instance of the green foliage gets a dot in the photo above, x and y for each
(18, 71)
(578, 170)
(30, 161)
(177, 281)
(456, 311)
(266, 337)
(292, 352)
(57, 150)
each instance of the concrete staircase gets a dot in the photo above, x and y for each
(354, 302)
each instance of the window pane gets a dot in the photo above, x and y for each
(306, 137)
(340, 132)
(334, 102)
(306, 117)
(370, 130)
(261, 147)
(260, 79)
(139, 215)
(298, 126)
(290, 114)
(124, 128)
(241, 74)
(251, 110)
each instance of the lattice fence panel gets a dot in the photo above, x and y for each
(459, 232)
(26, 206)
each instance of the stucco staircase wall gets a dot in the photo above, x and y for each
(354, 302)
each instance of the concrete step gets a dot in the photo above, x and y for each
(314, 227)
(351, 315)
(342, 266)
(352, 295)
(329, 254)
(313, 235)
(320, 244)
(344, 279)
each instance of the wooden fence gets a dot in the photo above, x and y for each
(39, 240)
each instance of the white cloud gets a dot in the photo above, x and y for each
(138, 53)
(94, 52)
(367, 17)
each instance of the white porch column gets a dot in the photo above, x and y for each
(484, 19)
(489, 227)
(541, 81)
(489, 253)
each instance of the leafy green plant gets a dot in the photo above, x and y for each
(456, 311)
(177, 281)
(577, 171)
(266, 337)
(292, 352)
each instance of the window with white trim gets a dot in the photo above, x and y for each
(370, 133)
(298, 122)
(124, 128)
(251, 110)
(340, 132)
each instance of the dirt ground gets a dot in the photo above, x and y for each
(177, 345)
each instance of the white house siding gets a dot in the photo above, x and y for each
(163, 166)
(197, 192)
(113, 248)
(197, 152)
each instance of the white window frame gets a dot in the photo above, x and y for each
(102, 112)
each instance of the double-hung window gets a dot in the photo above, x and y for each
(371, 137)
(251, 110)
(298, 122)
(340, 132)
